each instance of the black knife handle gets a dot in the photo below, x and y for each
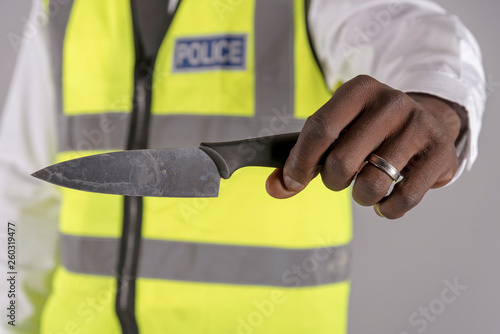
(270, 151)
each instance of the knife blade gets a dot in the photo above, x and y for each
(170, 172)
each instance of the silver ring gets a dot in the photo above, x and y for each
(384, 166)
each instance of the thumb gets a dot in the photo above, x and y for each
(275, 185)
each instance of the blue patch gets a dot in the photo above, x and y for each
(227, 52)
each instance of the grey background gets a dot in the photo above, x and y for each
(400, 266)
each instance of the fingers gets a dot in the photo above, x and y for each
(435, 167)
(372, 184)
(276, 187)
(416, 136)
(372, 127)
(426, 154)
(323, 128)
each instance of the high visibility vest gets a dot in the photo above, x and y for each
(239, 263)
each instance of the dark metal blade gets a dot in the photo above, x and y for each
(186, 172)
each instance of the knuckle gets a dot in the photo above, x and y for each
(318, 127)
(448, 175)
(452, 165)
(440, 137)
(364, 79)
(331, 182)
(454, 159)
(396, 100)
(362, 83)
(408, 199)
(298, 167)
(373, 189)
(421, 119)
(341, 165)
(451, 153)
(432, 133)
(434, 130)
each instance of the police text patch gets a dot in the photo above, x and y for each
(226, 52)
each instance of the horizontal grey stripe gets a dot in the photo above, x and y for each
(211, 263)
(108, 131)
(93, 132)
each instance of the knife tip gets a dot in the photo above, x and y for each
(40, 174)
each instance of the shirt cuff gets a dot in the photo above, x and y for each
(445, 86)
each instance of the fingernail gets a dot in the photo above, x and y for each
(292, 185)
(377, 211)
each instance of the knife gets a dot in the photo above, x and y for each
(170, 172)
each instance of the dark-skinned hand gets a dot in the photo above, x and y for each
(416, 133)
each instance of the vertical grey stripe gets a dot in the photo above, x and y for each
(274, 55)
(58, 23)
(108, 131)
(212, 263)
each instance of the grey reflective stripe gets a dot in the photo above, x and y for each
(274, 94)
(212, 263)
(58, 22)
(185, 130)
(108, 131)
(274, 55)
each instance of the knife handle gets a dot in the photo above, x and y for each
(269, 151)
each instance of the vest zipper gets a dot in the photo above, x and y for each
(133, 206)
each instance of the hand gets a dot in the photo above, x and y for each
(416, 133)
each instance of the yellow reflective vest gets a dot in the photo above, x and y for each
(240, 263)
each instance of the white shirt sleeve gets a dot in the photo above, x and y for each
(28, 143)
(410, 45)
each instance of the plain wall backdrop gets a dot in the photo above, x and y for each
(401, 267)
